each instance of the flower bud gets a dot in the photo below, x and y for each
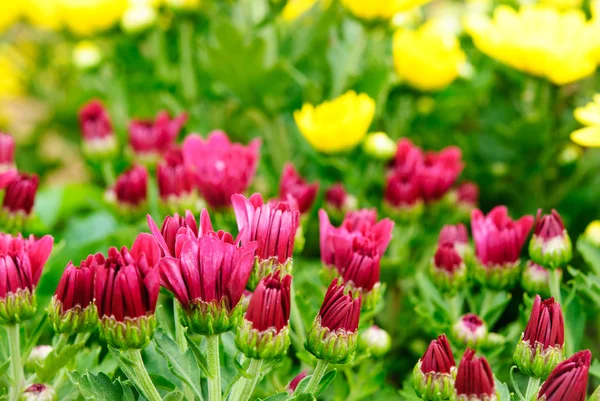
(402, 197)
(568, 381)
(37, 356)
(550, 245)
(295, 381)
(470, 330)
(264, 333)
(8, 171)
(541, 345)
(19, 197)
(474, 379)
(498, 243)
(379, 146)
(72, 309)
(536, 279)
(592, 233)
(439, 172)
(456, 235)
(21, 264)
(338, 201)
(126, 292)
(149, 140)
(129, 194)
(467, 195)
(333, 335)
(176, 183)
(448, 271)
(99, 139)
(38, 392)
(86, 55)
(138, 17)
(376, 340)
(295, 186)
(434, 374)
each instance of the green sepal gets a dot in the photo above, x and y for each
(496, 277)
(551, 253)
(74, 320)
(266, 344)
(332, 346)
(17, 307)
(433, 386)
(209, 318)
(535, 361)
(131, 333)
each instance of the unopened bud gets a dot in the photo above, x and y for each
(37, 356)
(592, 233)
(376, 340)
(38, 392)
(86, 55)
(379, 146)
(470, 330)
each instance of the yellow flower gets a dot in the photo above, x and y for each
(183, 4)
(385, 9)
(91, 16)
(295, 8)
(428, 58)
(563, 4)
(11, 79)
(337, 125)
(538, 40)
(588, 115)
(10, 12)
(86, 55)
(592, 232)
(45, 14)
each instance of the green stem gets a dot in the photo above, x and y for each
(82, 338)
(181, 341)
(254, 373)
(488, 297)
(108, 173)
(153, 196)
(214, 368)
(14, 343)
(316, 377)
(63, 340)
(554, 283)
(296, 323)
(143, 379)
(532, 388)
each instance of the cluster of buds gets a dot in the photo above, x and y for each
(498, 244)
(293, 186)
(220, 168)
(264, 332)
(150, 139)
(353, 251)
(21, 264)
(541, 347)
(418, 177)
(273, 227)
(568, 381)
(99, 139)
(448, 268)
(435, 373)
(550, 245)
(207, 273)
(334, 334)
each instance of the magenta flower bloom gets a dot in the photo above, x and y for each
(95, 123)
(8, 172)
(175, 180)
(19, 195)
(126, 292)
(468, 194)
(551, 245)
(433, 377)
(131, 188)
(149, 139)
(208, 278)
(272, 225)
(336, 196)
(568, 381)
(269, 307)
(221, 168)
(498, 243)
(402, 191)
(454, 234)
(408, 159)
(21, 264)
(73, 309)
(448, 270)
(293, 185)
(175, 231)
(474, 379)
(439, 172)
(438, 357)
(447, 258)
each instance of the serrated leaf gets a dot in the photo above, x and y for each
(182, 365)
(200, 358)
(326, 381)
(174, 396)
(54, 362)
(100, 387)
(125, 364)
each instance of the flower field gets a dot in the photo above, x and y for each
(235, 200)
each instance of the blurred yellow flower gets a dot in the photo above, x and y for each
(385, 9)
(592, 232)
(91, 16)
(295, 8)
(10, 12)
(86, 55)
(588, 115)
(45, 14)
(538, 40)
(11, 80)
(336, 125)
(427, 58)
(183, 4)
(138, 17)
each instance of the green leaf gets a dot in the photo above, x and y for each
(126, 365)
(56, 361)
(100, 387)
(590, 253)
(278, 397)
(174, 396)
(182, 365)
(326, 381)
(502, 389)
(344, 56)
(4, 367)
(200, 358)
